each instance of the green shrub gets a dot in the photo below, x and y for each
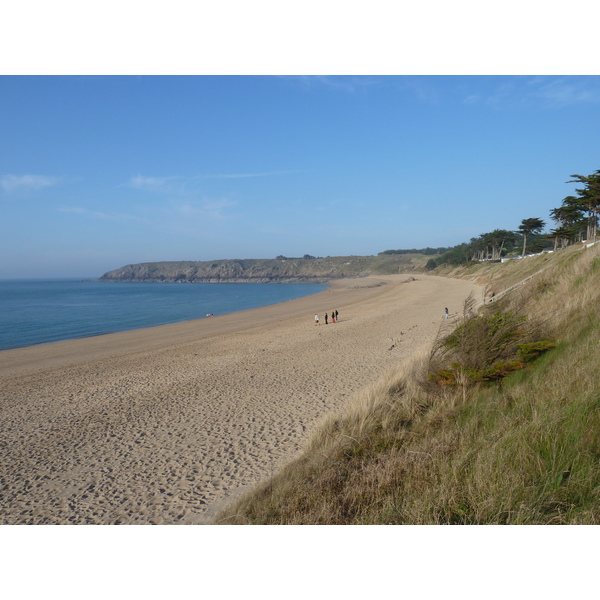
(485, 348)
(431, 264)
(527, 352)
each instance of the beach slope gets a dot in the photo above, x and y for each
(166, 424)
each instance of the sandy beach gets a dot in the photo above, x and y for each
(166, 425)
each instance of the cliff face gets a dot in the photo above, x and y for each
(280, 270)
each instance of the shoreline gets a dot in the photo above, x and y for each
(185, 319)
(54, 354)
(169, 423)
(16, 360)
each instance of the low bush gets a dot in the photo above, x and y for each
(486, 347)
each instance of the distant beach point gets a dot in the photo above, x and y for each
(167, 424)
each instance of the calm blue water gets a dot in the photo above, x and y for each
(40, 311)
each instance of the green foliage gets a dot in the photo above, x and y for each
(426, 251)
(528, 352)
(569, 217)
(532, 225)
(494, 372)
(588, 200)
(485, 348)
(456, 256)
(492, 245)
(431, 264)
(486, 338)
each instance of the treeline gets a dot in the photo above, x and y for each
(577, 217)
(427, 251)
(576, 220)
(305, 257)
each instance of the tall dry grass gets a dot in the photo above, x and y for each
(522, 451)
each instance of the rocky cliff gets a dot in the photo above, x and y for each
(279, 270)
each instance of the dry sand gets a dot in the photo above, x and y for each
(167, 424)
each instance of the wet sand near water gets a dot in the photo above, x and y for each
(166, 425)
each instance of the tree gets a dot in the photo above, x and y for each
(497, 240)
(562, 236)
(490, 246)
(589, 199)
(529, 227)
(570, 220)
(457, 255)
(479, 247)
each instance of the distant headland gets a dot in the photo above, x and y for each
(307, 269)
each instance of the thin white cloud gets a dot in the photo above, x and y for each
(243, 175)
(566, 91)
(213, 209)
(349, 84)
(11, 183)
(188, 212)
(84, 212)
(95, 214)
(182, 186)
(73, 209)
(542, 92)
(472, 99)
(140, 182)
(505, 94)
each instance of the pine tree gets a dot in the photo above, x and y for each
(529, 227)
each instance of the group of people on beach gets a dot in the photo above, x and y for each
(334, 317)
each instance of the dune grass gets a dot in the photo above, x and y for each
(524, 449)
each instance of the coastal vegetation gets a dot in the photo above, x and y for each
(498, 423)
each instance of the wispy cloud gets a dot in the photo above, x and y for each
(348, 84)
(243, 175)
(566, 91)
(549, 92)
(11, 183)
(73, 209)
(139, 182)
(212, 209)
(183, 185)
(95, 214)
(424, 89)
(508, 93)
(472, 99)
(175, 210)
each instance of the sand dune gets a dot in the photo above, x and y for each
(166, 424)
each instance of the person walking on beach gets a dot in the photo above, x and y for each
(333, 316)
(446, 310)
(316, 319)
(326, 318)
(336, 315)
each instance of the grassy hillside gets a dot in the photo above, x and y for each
(517, 443)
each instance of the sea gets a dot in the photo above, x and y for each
(39, 311)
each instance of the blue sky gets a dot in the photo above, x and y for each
(101, 171)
